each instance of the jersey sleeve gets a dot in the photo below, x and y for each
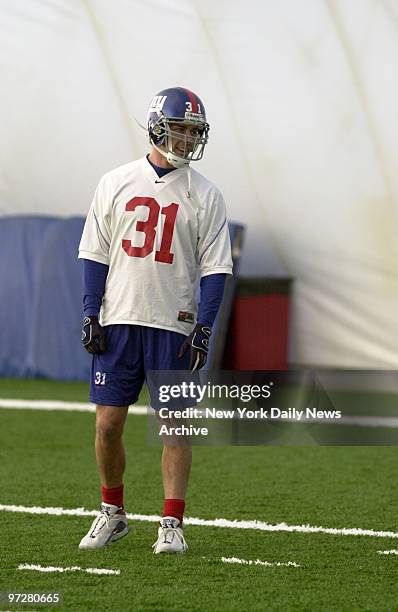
(214, 244)
(96, 237)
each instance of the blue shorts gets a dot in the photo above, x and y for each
(117, 376)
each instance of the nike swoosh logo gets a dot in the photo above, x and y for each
(160, 181)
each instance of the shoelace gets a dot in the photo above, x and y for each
(102, 520)
(169, 531)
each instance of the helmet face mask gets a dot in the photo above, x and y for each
(177, 126)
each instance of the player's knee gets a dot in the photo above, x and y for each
(108, 430)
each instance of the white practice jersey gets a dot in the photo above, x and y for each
(157, 242)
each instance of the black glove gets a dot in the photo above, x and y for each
(93, 336)
(198, 342)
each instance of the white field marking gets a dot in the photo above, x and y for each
(258, 562)
(220, 522)
(370, 421)
(18, 404)
(74, 568)
(388, 552)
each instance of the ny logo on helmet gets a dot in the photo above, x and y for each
(157, 104)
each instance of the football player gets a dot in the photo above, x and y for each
(154, 228)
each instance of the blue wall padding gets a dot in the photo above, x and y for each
(40, 309)
(41, 304)
(57, 305)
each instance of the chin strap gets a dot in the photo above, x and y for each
(181, 164)
(174, 160)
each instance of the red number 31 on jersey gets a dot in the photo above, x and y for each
(148, 228)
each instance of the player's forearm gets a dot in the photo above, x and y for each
(94, 279)
(211, 294)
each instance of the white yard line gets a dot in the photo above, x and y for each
(370, 421)
(258, 562)
(74, 568)
(18, 404)
(388, 552)
(219, 522)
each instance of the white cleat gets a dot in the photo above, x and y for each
(170, 537)
(107, 527)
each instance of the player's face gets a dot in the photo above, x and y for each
(184, 138)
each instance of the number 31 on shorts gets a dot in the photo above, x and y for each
(100, 378)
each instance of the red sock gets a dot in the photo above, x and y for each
(113, 496)
(175, 508)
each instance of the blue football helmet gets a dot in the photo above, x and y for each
(169, 108)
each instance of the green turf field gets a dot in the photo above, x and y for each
(47, 460)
